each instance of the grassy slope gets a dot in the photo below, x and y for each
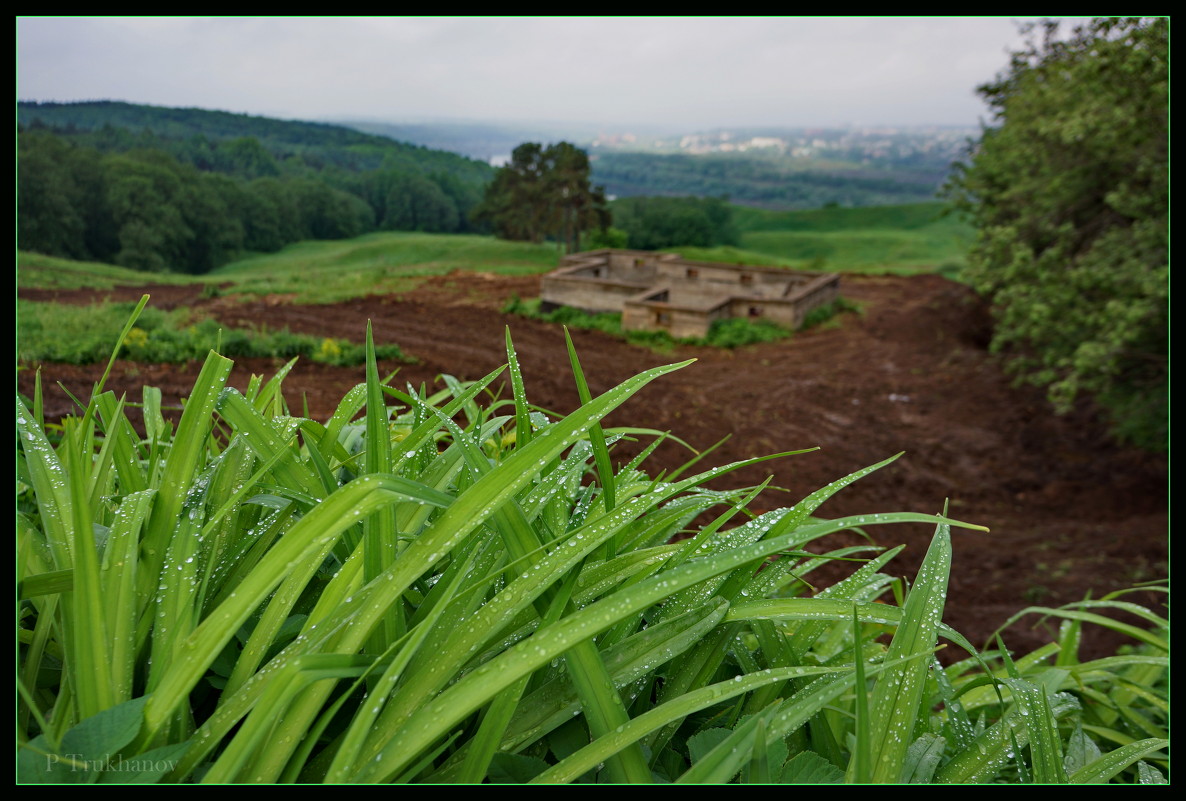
(36, 271)
(899, 239)
(382, 262)
(320, 271)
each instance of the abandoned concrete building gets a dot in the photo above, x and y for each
(663, 291)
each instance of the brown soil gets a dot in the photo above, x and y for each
(1070, 512)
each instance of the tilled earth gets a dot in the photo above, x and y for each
(1070, 512)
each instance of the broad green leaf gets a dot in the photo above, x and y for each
(810, 768)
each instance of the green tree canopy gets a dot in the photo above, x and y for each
(1068, 188)
(417, 203)
(663, 222)
(544, 192)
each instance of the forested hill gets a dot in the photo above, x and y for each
(185, 132)
(187, 190)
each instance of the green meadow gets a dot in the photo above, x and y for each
(889, 239)
(325, 272)
(902, 240)
(38, 271)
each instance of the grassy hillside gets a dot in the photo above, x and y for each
(896, 239)
(318, 271)
(38, 271)
(383, 262)
(909, 238)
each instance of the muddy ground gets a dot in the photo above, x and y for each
(1070, 512)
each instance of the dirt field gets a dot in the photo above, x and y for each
(1070, 512)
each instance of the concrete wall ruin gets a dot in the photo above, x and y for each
(662, 291)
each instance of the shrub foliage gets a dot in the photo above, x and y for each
(1068, 189)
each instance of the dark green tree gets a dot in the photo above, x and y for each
(145, 194)
(416, 203)
(544, 192)
(1068, 189)
(48, 218)
(662, 222)
(577, 206)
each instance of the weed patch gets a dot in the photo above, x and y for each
(83, 336)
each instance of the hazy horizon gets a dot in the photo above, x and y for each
(650, 74)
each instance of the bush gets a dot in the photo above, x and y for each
(1069, 192)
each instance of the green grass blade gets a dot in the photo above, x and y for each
(1135, 632)
(271, 441)
(1045, 745)
(490, 733)
(596, 752)
(49, 583)
(123, 335)
(50, 484)
(605, 469)
(379, 530)
(809, 609)
(326, 521)
(1111, 763)
(898, 697)
(89, 659)
(522, 411)
(185, 457)
(861, 767)
(479, 686)
(119, 591)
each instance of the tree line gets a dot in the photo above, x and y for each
(546, 193)
(145, 208)
(767, 182)
(194, 204)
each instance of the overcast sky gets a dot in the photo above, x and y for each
(687, 73)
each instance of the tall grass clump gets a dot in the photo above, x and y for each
(445, 588)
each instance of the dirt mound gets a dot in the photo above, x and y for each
(1070, 511)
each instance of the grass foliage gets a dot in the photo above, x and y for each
(896, 239)
(84, 336)
(326, 272)
(901, 239)
(319, 271)
(454, 588)
(38, 271)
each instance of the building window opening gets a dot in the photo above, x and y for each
(755, 311)
(692, 273)
(746, 279)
